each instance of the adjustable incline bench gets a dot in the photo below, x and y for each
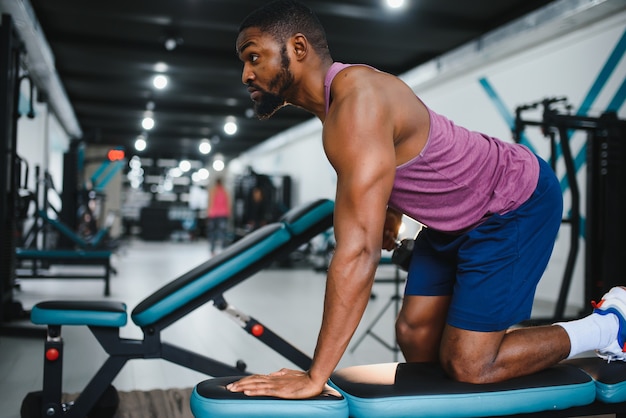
(205, 283)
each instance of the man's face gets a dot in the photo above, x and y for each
(265, 71)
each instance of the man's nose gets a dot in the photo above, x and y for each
(246, 76)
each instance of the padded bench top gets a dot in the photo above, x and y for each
(211, 399)
(60, 254)
(397, 390)
(235, 258)
(295, 225)
(90, 313)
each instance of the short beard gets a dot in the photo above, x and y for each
(269, 103)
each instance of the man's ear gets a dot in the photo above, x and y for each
(300, 45)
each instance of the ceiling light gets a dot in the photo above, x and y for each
(147, 123)
(185, 166)
(135, 162)
(172, 39)
(168, 185)
(175, 172)
(140, 144)
(170, 44)
(205, 147)
(160, 81)
(218, 165)
(230, 127)
(160, 67)
(203, 174)
(395, 4)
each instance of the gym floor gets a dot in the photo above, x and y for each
(287, 300)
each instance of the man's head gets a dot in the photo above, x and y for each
(266, 39)
(284, 18)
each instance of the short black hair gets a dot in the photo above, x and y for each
(284, 18)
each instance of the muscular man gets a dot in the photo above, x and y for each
(491, 211)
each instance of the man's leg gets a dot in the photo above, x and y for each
(485, 357)
(211, 234)
(420, 325)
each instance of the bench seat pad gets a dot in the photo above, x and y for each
(393, 390)
(210, 398)
(89, 313)
(52, 255)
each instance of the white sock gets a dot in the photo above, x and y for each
(593, 332)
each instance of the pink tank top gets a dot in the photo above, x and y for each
(461, 177)
(219, 205)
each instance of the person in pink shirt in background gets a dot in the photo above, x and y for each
(218, 214)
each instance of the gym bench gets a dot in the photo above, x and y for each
(574, 388)
(205, 283)
(40, 260)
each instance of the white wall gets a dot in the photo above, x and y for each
(565, 63)
(41, 141)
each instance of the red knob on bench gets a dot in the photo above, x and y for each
(52, 354)
(257, 330)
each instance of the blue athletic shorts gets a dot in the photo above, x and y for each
(491, 271)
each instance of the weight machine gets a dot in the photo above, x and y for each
(11, 53)
(605, 226)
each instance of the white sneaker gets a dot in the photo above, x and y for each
(614, 301)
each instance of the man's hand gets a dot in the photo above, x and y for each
(285, 383)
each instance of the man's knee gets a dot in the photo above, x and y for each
(412, 331)
(469, 356)
(404, 330)
(464, 369)
(418, 341)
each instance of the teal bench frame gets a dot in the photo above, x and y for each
(203, 284)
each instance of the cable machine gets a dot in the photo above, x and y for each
(11, 50)
(605, 226)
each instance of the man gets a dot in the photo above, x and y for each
(491, 210)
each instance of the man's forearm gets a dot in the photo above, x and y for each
(345, 301)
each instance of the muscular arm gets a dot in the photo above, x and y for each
(358, 140)
(359, 144)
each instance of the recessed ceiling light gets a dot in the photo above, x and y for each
(170, 44)
(395, 4)
(160, 67)
(160, 81)
(147, 123)
(205, 147)
(140, 144)
(230, 127)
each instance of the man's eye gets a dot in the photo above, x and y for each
(253, 58)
